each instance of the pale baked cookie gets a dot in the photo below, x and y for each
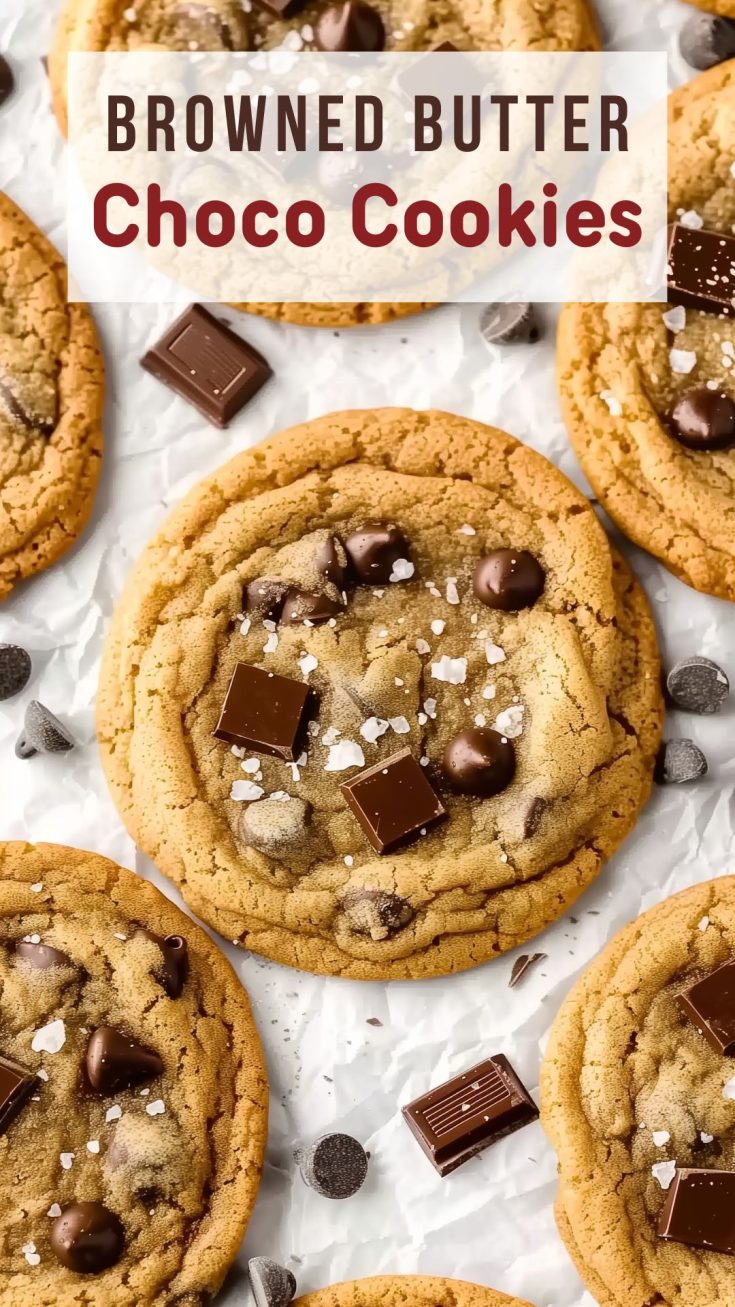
(51, 394)
(133, 1094)
(398, 1290)
(425, 577)
(623, 367)
(635, 1089)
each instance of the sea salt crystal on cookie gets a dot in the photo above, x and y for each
(706, 1139)
(509, 722)
(403, 570)
(66, 1160)
(271, 643)
(400, 725)
(331, 735)
(682, 360)
(660, 1137)
(93, 1145)
(676, 318)
(494, 653)
(467, 530)
(246, 791)
(452, 591)
(614, 406)
(690, 218)
(113, 1113)
(664, 1172)
(251, 765)
(54, 1210)
(373, 728)
(489, 692)
(29, 1252)
(423, 647)
(437, 627)
(50, 1038)
(451, 670)
(156, 1108)
(704, 923)
(343, 755)
(729, 1089)
(308, 664)
(430, 708)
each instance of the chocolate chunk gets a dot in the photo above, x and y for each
(335, 1165)
(272, 1285)
(376, 913)
(393, 801)
(710, 1006)
(704, 419)
(706, 40)
(698, 685)
(470, 1112)
(41, 957)
(701, 270)
(340, 175)
(22, 404)
(42, 733)
(204, 19)
(522, 965)
(174, 967)
(700, 1210)
(508, 579)
(679, 761)
(445, 47)
(509, 324)
(7, 81)
(373, 551)
(115, 1061)
(208, 364)
(275, 827)
(281, 8)
(87, 1238)
(264, 598)
(350, 26)
(331, 558)
(312, 608)
(16, 1087)
(479, 761)
(532, 819)
(15, 670)
(264, 712)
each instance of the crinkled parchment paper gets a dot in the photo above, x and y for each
(492, 1220)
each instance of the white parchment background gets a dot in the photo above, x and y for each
(492, 1221)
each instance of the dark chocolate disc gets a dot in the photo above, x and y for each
(40, 956)
(87, 1238)
(479, 761)
(508, 579)
(704, 419)
(301, 607)
(351, 26)
(373, 549)
(264, 598)
(115, 1061)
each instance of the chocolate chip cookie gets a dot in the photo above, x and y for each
(379, 698)
(133, 1096)
(397, 1290)
(51, 393)
(638, 1090)
(647, 390)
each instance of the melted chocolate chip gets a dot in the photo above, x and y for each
(174, 966)
(350, 26)
(373, 550)
(509, 580)
(115, 1061)
(264, 598)
(479, 761)
(41, 956)
(704, 419)
(87, 1238)
(376, 913)
(332, 562)
(300, 607)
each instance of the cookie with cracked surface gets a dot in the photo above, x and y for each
(134, 1093)
(397, 1290)
(624, 367)
(483, 610)
(629, 1082)
(51, 394)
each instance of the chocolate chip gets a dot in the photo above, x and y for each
(532, 819)
(331, 558)
(174, 967)
(679, 761)
(340, 175)
(275, 827)
(115, 1061)
(350, 26)
(264, 598)
(704, 419)
(265, 712)
(87, 1238)
(509, 580)
(479, 761)
(706, 40)
(41, 957)
(16, 1086)
(376, 913)
(335, 1165)
(313, 608)
(509, 324)
(7, 81)
(34, 411)
(374, 549)
(42, 733)
(522, 965)
(698, 685)
(15, 670)
(272, 1285)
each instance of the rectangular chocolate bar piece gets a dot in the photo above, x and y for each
(463, 1117)
(700, 1210)
(208, 364)
(710, 1006)
(701, 270)
(264, 712)
(393, 801)
(16, 1085)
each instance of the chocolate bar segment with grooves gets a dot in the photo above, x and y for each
(461, 1118)
(701, 270)
(208, 364)
(16, 1086)
(710, 1006)
(700, 1210)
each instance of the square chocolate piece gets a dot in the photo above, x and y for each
(710, 1006)
(208, 364)
(463, 1117)
(700, 1210)
(393, 801)
(701, 270)
(264, 712)
(16, 1085)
